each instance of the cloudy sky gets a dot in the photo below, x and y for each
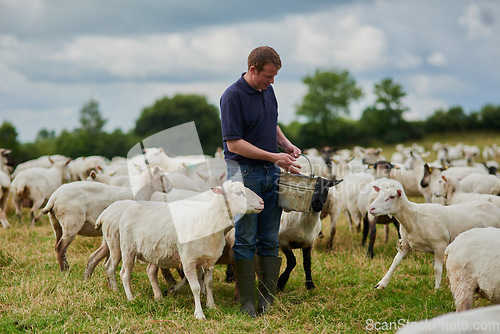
(55, 55)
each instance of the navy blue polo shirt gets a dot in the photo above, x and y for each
(249, 114)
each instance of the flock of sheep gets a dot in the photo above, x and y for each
(177, 212)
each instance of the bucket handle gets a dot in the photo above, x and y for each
(310, 168)
(310, 165)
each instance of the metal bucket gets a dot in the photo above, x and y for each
(296, 191)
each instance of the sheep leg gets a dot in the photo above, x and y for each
(114, 259)
(200, 280)
(152, 271)
(291, 262)
(438, 268)
(463, 294)
(373, 236)
(386, 230)
(192, 277)
(179, 285)
(306, 254)
(366, 229)
(333, 230)
(3, 219)
(126, 273)
(56, 227)
(60, 248)
(403, 250)
(95, 258)
(209, 273)
(168, 276)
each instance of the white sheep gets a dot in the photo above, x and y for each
(447, 188)
(44, 161)
(367, 196)
(81, 167)
(112, 180)
(4, 196)
(480, 183)
(472, 266)
(74, 207)
(184, 233)
(32, 187)
(429, 227)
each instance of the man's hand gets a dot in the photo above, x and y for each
(287, 162)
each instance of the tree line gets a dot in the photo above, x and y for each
(326, 108)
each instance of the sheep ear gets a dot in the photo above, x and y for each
(217, 191)
(377, 189)
(399, 192)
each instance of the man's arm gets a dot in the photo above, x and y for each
(246, 149)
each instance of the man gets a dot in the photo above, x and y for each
(251, 135)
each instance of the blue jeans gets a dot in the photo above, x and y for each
(257, 233)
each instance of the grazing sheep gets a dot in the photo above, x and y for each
(32, 187)
(473, 267)
(300, 230)
(429, 227)
(74, 207)
(183, 233)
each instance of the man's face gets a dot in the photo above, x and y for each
(262, 80)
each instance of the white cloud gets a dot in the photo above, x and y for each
(346, 42)
(437, 59)
(473, 22)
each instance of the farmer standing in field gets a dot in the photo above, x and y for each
(251, 136)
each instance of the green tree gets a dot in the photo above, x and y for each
(490, 115)
(384, 119)
(329, 95)
(8, 136)
(169, 112)
(90, 118)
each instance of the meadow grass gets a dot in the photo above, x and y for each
(35, 297)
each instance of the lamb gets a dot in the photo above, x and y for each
(473, 267)
(74, 207)
(4, 196)
(300, 230)
(183, 233)
(32, 187)
(429, 227)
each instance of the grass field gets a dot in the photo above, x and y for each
(36, 297)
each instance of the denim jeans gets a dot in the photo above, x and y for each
(257, 233)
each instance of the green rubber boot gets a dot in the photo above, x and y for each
(245, 278)
(268, 271)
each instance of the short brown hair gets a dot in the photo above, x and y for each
(263, 55)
